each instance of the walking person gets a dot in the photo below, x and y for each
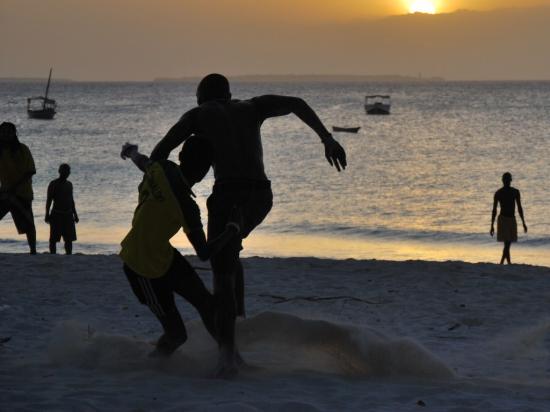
(16, 171)
(507, 227)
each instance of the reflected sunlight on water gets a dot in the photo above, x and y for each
(419, 183)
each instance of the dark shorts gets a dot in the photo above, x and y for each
(253, 198)
(158, 293)
(62, 226)
(507, 229)
(21, 213)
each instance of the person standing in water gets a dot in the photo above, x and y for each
(16, 171)
(507, 227)
(232, 127)
(63, 215)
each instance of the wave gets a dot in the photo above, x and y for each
(397, 234)
(272, 343)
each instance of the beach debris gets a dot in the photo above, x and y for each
(339, 129)
(91, 332)
(282, 299)
(4, 340)
(455, 326)
(421, 403)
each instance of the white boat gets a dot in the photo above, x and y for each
(377, 104)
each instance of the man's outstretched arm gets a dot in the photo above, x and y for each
(520, 211)
(272, 106)
(493, 215)
(130, 150)
(177, 134)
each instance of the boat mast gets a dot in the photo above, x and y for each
(47, 87)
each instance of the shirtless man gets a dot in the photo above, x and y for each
(507, 227)
(233, 129)
(63, 216)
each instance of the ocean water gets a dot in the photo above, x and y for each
(419, 183)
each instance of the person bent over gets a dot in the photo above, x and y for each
(16, 171)
(63, 216)
(156, 270)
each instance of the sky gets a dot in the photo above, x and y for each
(146, 39)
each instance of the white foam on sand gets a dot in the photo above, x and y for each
(276, 343)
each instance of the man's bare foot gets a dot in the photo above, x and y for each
(239, 359)
(167, 345)
(227, 367)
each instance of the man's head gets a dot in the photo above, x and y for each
(213, 87)
(64, 170)
(8, 133)
(507, 179)
(195, 159)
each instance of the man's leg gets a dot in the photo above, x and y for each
(157, 295)
(186, 282)
(31, 239)
(507, 246)
(239, 288)
(503, 254)
(69, 247)
(224, 265)
(53, 247)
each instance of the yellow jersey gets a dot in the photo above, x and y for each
(13, 165)
(165, 205)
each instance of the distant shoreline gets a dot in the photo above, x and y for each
(315, 78)
(285, 79)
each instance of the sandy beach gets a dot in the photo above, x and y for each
(321, 335)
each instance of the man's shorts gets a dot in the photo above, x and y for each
(158, 293)
(21, 213)
(62, 226)
(254, 200)
(507, 229)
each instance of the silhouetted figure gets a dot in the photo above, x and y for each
(154, 268)
(233, 129)
(507, 227)
(16, 171)
(63, 215)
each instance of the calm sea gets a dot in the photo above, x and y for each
(419, 183)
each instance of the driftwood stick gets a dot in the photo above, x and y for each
(283, 299)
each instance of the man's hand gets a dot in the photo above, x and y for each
(492, 231)
(76, 219)
(128, 149)
(47, 219)
(335, 154)
(525, 228)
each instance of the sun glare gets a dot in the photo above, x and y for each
(422, 6)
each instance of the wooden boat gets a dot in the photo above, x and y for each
(41, 107)
(345, 129)
(377, 104)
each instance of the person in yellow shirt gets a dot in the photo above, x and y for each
(154, 268)
(16, 171)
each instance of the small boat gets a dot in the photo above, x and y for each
(41, 107)
(345, 129)
(377, 104)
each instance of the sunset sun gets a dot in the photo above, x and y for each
(422, 6)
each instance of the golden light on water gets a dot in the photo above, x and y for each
(422, 6)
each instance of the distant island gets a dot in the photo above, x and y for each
(254, 78)
(31, 79)
(316, 78)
